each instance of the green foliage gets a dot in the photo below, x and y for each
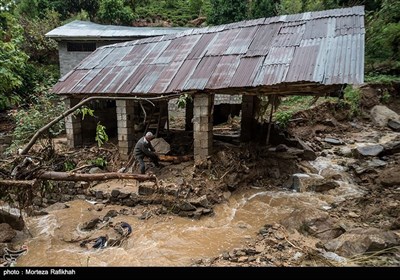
(262, 8)
(29, 120)
(352, 96)
(385, 98)
(115, 12)
(69, 165)
(381, 79)
(101, 135)
(283, 118)
(84, 110)
(183, 99)
(99, 162)
(12, 59)
(383, 39)
(289, 7)
(39, 47)
(227, 11)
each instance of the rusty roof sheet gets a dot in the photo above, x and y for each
(322, 48)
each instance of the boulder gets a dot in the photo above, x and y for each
(16, 222)
(361, 240)
(7, 233)
(381, 115)
(313, 222)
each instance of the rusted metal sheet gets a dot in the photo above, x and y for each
(200, 48)
(242, 41)
(224, 71)
(299, 70)
(246, 71)
(182, 75)
(222, 42)
(324, 47)
(202, 73)
(263, 39)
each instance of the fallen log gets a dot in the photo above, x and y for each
(65, 176)
(17, 183)
(175, 159)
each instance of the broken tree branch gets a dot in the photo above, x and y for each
(80, 104)
(17, 183)
(65, 176)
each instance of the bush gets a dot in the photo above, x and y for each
(29, 120)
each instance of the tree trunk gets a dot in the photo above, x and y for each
(65, 176)
(17, 183)
(175, 159)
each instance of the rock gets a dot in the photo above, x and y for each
(16, 222)
(146, 188)
(227, 195)
(381, 115)
(313, 222)
(99, 206)
(324, 186)
(361, 240)
(369, 97)
(329, 173)
(37, 200)
(99, 195)
(231, 180)
(161, 146)
(243, 259)
(310, 182)
(333, 141)
(56, 206)
(394, 125)
(390, 176)
(185, 206)
(200, 201)
(369, 150)
(115, 193)
(91, 224)
(95, 170)
(391, 148)
(281, 148)
(111, 214)
(7, 233)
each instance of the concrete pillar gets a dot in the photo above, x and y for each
(202, 127)
(125, 110)
(73, 125)
(248, 102)
(189, 115)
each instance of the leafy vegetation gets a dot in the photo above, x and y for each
(30, 119)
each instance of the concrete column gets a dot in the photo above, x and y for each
(202, 127)
(189, 115)
(125, 110)
(247, 117)
(73, 125)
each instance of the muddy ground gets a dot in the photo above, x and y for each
(359, 231)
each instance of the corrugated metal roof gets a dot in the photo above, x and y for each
(321, 48)
(86, 30)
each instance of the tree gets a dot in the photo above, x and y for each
(227, 11)
(383, 38)
(40, 48)
(115, 12)
(12, 59)
(286, 7)
(262, 8)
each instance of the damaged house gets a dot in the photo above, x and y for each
(313, 53)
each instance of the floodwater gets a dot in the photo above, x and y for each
(167, 240)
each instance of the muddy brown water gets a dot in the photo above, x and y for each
(166, 240)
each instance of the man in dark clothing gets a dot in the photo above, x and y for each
(144, 148)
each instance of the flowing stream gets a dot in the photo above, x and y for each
(167, 240)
